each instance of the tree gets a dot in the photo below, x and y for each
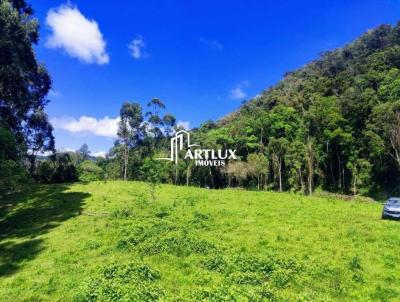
(258, 166)
(394, 138)
(129, 131)
(65, 169)
(84, 152)
(277, 147)
(154, 118)
(169, 123)
(24, 82)
(90, 171)
(295, 160)
(45, 172)
(310, 160)
(154, 172)
(236, 170)
(360, 170)
(38, 136)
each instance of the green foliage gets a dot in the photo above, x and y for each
(83, 152)
(129, 282)
(90, 171)
(24, 85)
(64, 169)
(154, 172)
(13, 177)
(45, 171)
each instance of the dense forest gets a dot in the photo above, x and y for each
(333, 125)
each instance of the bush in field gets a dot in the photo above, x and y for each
(128, 282)
(216, 263)
(163, 237)
(89, 171)
(180, 245)
(154, 172)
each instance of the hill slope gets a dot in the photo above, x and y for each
(335, 123)
(109, 241)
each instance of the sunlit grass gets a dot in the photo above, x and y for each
(110, 241)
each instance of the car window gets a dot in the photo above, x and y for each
(394, 202)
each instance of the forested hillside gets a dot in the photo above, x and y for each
(335, 123)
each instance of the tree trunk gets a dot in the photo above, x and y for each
(303, 189)
(330, 165)
(126, 157)
(32, 160)
(280, 175)
(355, 184)
(310, 165)
(339, 170)
(258, 182)
(188, 172)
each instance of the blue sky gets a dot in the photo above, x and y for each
(202, 58)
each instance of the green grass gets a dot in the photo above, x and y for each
(110, 242)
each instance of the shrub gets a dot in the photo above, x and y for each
(13, 177)
(216, 263)
(89, 171)
(177, 245)
(128, 282)
(45, 172)
(355, 263)
(122, 213)
(247, 278)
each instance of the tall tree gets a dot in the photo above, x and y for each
(169, 123)
(155, 105)
(129, 131)
(310, 157)
(277, 147)
(84, 152)
(258, 166)
(24, 82)
(38, 136)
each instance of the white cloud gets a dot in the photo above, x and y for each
(106, 126)
(62, 150)
(40, 153)
(99, 154)
(78, 36)
(137, 48)
(184, 124)
(238, 93)
(214, 44)
(55, 93)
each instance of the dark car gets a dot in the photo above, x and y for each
(391, 210)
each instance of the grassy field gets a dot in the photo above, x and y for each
(110, 242)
